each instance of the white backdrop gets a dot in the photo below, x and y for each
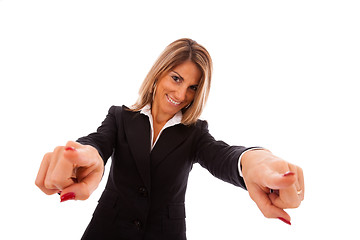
(285, 77)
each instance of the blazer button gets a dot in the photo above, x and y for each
(143, 192)
(137, 224)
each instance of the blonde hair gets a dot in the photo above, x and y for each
(176, 53)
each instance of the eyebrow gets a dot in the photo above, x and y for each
(179, 75)
(196, 85)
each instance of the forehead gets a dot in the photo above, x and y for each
(189, 71)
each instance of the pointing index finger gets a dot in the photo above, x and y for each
(274, 180)
(78, 154)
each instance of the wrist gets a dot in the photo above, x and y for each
(253, 157)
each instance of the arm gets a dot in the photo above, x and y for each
(104, 139)
(220, 159)
(259, 172)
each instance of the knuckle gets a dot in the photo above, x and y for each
(48, 184)
(47, 155)
(39, 183)
(296, 204)
(266, 213)
(251, 195)
(69, 143)
(86, 195)
(86, 192)
(279, 163)
(56, 180)
(48, 192)
(58, 148)
(265, 210)
(51, 182)
(54, 183)
(292, 204)
(300, 170)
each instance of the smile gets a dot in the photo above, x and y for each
(172, 100)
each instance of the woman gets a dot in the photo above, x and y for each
(153, 146)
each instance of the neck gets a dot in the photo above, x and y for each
(158, 116)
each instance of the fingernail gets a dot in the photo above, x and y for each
(67, 196)
(288, 174)
(70, 149)
(284, 220)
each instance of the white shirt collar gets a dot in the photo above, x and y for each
(176, 119)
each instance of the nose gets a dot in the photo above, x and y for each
(181, 94)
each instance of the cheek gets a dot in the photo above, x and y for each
(190, 96)
(165, 87)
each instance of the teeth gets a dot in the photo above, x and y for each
(172, 101)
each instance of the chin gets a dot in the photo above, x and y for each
(172, 110)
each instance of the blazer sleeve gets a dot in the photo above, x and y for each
(104, 139)
(220, 159)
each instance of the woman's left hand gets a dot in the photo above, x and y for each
(273, 184)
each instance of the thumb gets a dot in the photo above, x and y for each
(265, 205)
(276, 180)
(83, 189)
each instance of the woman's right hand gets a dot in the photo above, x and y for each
(75, 170)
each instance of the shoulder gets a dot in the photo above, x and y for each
(127, 115)
(115, 108)
(201, 125)
(119, 113)
(198, 128)
(119, 110)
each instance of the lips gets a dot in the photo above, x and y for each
(172, 101)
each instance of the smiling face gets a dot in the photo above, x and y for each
(175, 90)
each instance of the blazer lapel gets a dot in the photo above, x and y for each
(169, 140)
(137, 130)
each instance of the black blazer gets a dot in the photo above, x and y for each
(145, 193)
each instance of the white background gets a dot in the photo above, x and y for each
(286, 77)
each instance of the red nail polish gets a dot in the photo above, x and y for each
(67, 196)
(70, 149)
(284, 220)
(289, 174)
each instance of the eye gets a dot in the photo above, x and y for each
(176, 78)
(194, 88)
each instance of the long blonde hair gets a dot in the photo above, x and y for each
(176, 53)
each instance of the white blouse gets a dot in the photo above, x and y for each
(176, 119)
